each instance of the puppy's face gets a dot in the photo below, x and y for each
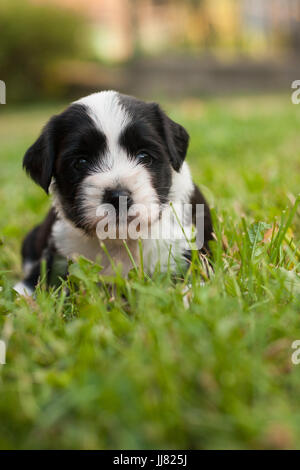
(104, 149)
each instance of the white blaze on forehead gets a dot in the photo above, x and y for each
(105, 109)
(111, 118)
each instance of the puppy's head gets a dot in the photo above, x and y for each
(104, 147)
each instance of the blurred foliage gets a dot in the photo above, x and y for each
(33, 39)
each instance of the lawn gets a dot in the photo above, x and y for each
(137, 369)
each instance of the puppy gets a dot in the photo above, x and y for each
(104, 150)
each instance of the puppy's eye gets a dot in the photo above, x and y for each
(80, 163)
(143, 156)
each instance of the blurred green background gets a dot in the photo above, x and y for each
(64, 48)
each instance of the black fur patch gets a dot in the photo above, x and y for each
(67, 140)
(37, 240)
(171, 135)
(37, 247)
(141, 136)
(80, 140)
(198, 198)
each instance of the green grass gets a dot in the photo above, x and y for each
(135, 369)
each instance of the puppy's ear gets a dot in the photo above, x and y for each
(40, 157)
(176, 138)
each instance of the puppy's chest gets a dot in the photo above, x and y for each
(71, 242)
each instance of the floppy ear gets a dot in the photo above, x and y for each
(176, 138)
(39, 158)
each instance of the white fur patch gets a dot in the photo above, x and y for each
(167, 252)
(22, 289)
(27, 267)
(71, 242)
(182, 185)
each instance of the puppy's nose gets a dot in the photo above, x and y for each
(112, 196)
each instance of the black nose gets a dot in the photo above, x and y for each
(112, 196)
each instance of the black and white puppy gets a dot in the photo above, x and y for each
(102, 148)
